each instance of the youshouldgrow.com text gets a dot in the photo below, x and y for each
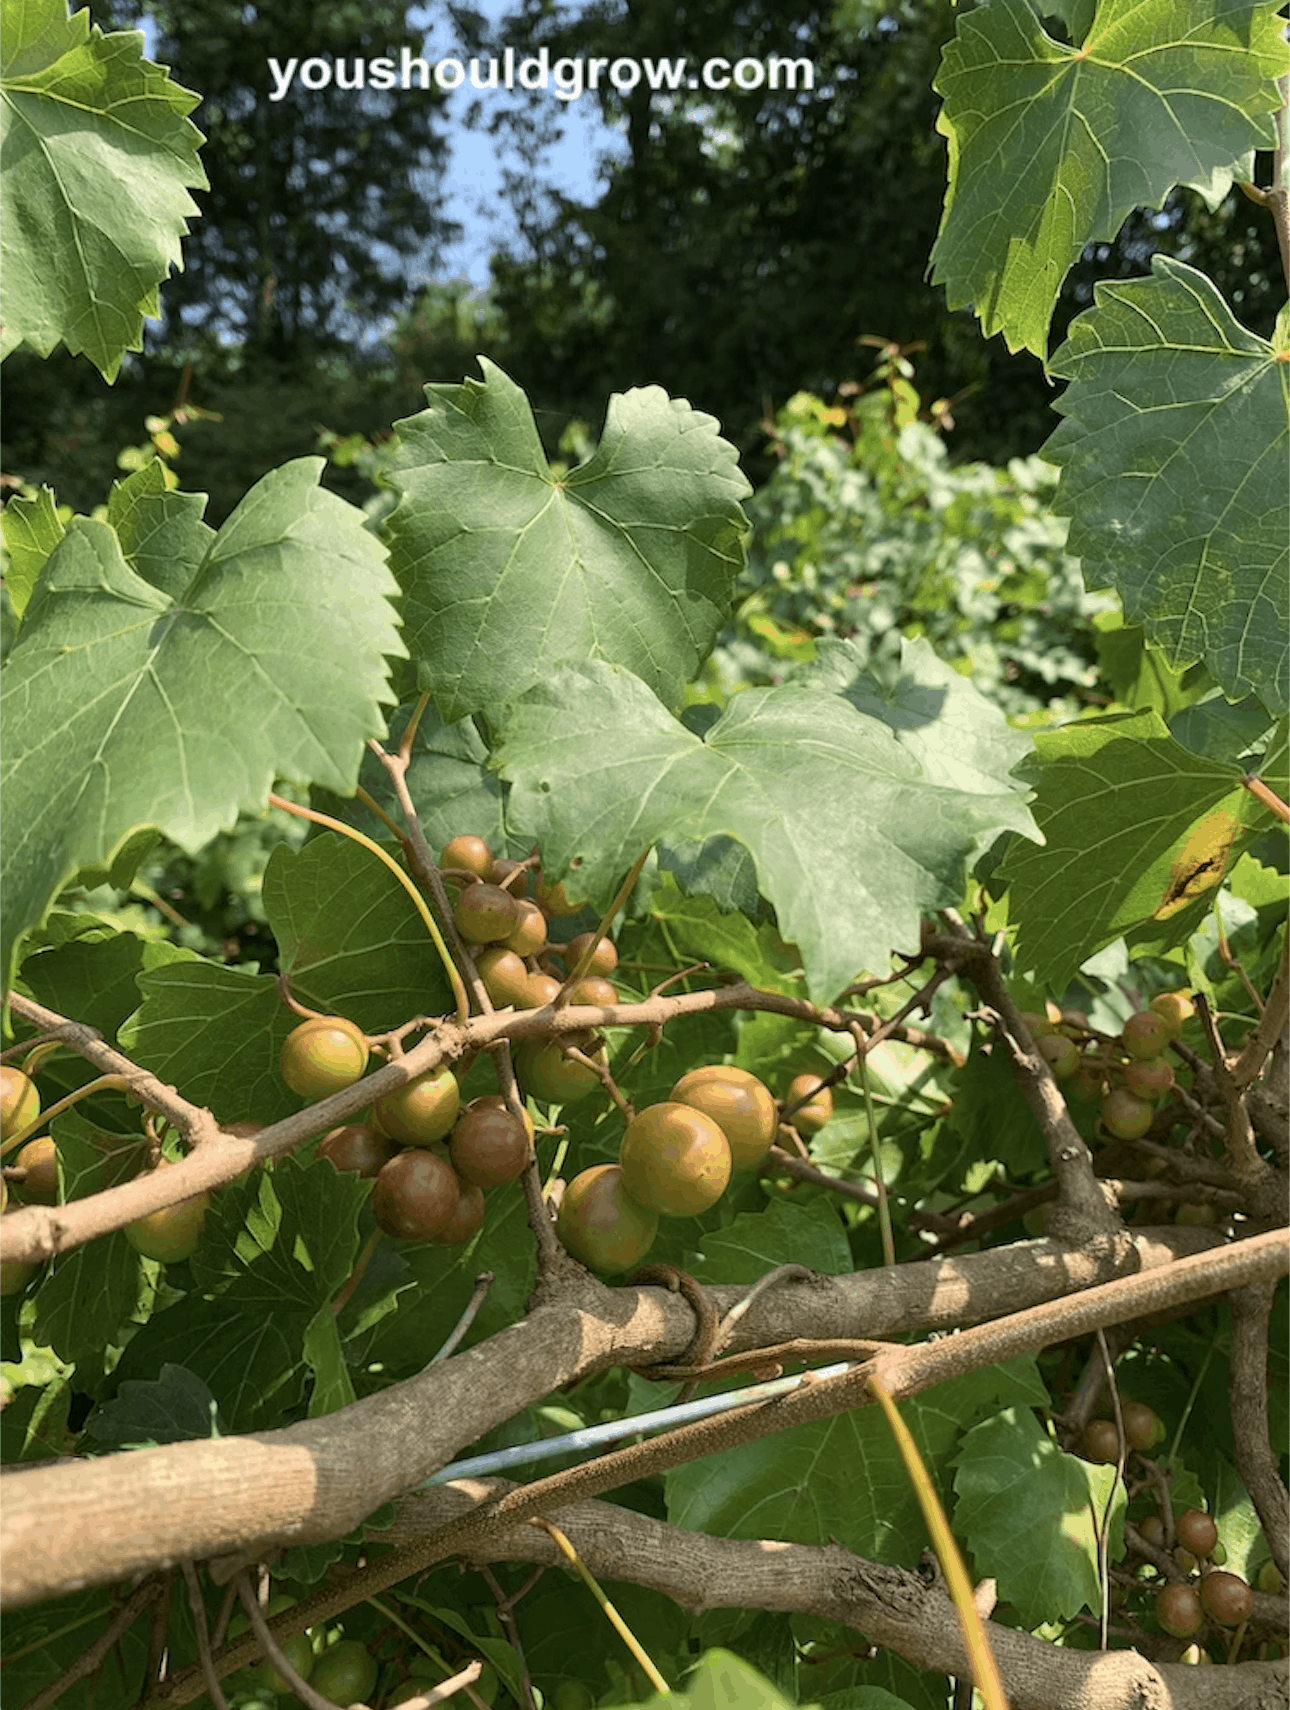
(567, 79)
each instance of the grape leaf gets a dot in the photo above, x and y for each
(272, 661)
(175, 1407)
(722, 1681)
(1173, 457)
(841, 1477)
(507, 570)
(216, 1031)
(99, 156)
(991, 1117)
(853, 838)
(371, 960)
(783, 1234)
(1030, 1514)
(1137, 830)
(32, 529)
(697, 927)
(1046, 140)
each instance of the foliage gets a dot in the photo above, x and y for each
(863, 873)
(866, 532)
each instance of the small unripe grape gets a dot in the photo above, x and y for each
(39, 1158)
(1060, 1053)
(1143, 1428)
(1038, 1026)
(504, 975)
(1153, 1530)
(1174, 1008)
(421, 1111)
(541, 990)
(553, 900)
(1269, 1579)
(604, 961)
(1101, 1442)
(1226, 1598)
(1193, 1656)
(19, 1100)
(1186, 1561)
(1144, 1034)
(324, 1055)
(817, 1110)
(1087, 1083)
(345, 1674)
(468, 854)
(358, 1148)
(172, 1233)
(1125, 1116)
(1196, 1531)
(529, 934)
(505, 873)
(1149, 1078)
(595, 990)
(485, 914)
(1178, 1611)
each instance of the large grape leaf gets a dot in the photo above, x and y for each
(853, 835)
(129, 705)
(1173, 457)
(1136, 829)
(1052, 145)
(842, 1478)
(1030, 1516)
(99, 158)
(508, 569)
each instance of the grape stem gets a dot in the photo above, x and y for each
(607, 1609)
(418, 901)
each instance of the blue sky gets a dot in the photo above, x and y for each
(474, 176)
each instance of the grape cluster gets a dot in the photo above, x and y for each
(677, 1159)
(1181, 1607)
(1127, 1076)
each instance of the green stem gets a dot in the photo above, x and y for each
(419, 902)
(884, 1208)
(584, 961)
(104, 1083)
(610, 1613)
(985, 1676)
(370, 802)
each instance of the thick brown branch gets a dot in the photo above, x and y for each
(1256, 1463)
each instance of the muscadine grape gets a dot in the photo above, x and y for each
(1142, 1426)
(19, 1100)
(1038, 1026)
(601, 1225)
(1226, 1598)
(1125, 1116)
(1144, 1034)
(489, 1146)
(504, 874)
(603, 961)
(545, 1072)
(675, 1160)
(1101, 1441)
(172, 1233)
(423, 1110)
(358, 1148)
(468, 854)
(1178, 1611)
(542, 989)
(415, 1196)
(553, 899)
(740, 1105)
(1153, 1530)
(1196, 1531)
(467, 1220)
(1149, 1077)
(324, 1055)
(39, 1158)
(595, 990)
(345, 1674)
(1060, 1053)
(529, 934)
(817, 1110)
(504, 975)
(1174, 1008)
(15, 1274)
(485, 914)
